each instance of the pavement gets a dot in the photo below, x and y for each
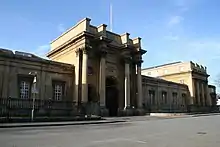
(64, 123)
(189, 131)
(105, 120)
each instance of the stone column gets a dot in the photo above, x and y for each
(84, 77)
(76, 96)
(102, 78)
(198, 93)
(139, 84)
(193, 92)
(203, 94)
(127, 85)
(208, 97)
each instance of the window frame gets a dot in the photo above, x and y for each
(164, 97)
(25, 78)
(62, 84)
(152, 97)
(175, 99)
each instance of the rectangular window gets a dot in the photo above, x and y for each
(58, 90)
(175, 98)
(152, 97)
(25, 87)
(164, 97)
(183, 99)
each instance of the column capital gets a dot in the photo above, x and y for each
(77, 52)
(139, 62)
(85, 49)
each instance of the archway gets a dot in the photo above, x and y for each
(112, 96)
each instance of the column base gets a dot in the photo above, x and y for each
(104, 112)
(82, 108)
(140, 112)
(128, 111)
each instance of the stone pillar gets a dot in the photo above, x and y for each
(203, 94)
(193, 93)
(198, 93)
(139, 85)
(208, 97)
(84, 77)
(127, 85)
(102, 79)
(76, 96)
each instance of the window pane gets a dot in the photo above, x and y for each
(58, 92)
(24, 89)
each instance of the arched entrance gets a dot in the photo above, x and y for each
(112, 96)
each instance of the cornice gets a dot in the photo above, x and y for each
(80, 35)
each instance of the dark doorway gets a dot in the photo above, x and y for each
(112, 96)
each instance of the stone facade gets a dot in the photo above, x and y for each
(193, 75)
(212, 91)
(100, 71)
(164, 96)
(20, 68)
(105, 65)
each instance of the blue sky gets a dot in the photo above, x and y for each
(171, 30)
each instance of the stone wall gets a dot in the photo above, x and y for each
(14, 66)
(164, 96)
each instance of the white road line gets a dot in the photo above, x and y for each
(136, 140)
(111, 140)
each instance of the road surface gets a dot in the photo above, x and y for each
(179, 132)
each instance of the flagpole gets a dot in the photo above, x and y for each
(111, 17)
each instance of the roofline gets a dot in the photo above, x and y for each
(163, 80)
(162, 65)
(35, 58)
(68, 30)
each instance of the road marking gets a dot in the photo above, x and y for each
(139, 141)
(111, 140)
(136, 140)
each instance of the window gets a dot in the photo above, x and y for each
(182, 81)
(25, 89)
(184, 99)
(174, 98)
(164, 97)
(24, 86)
(152, 97)
(58, 90)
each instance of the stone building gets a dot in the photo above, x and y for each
(17, 72)
(164, 96)
(193, 75)
(105, 64)
(213, 95)
(96, 69)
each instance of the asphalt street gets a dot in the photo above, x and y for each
(179, 132)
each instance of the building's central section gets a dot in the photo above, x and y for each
(107, 66)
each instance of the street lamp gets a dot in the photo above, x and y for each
(34, 92)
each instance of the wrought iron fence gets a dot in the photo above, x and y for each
(16, 107)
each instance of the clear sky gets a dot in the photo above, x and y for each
(171, 30)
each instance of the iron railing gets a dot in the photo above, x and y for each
(17, 107)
